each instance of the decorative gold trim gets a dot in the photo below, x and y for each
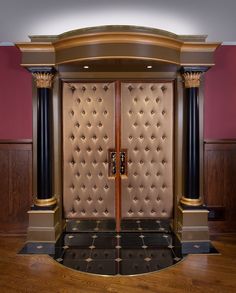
(43, 80)
(36, 47)
(192, 211)
(45, 202)
(192, 79)
(198, 64)
(190, 201)
(116, 38)
(36, 64)
(120, 28)
(199, 47)
(118, 57)
(43, 211)
(121, 36)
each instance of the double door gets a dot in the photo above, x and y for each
(117, 150)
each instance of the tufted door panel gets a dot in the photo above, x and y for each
(147, 134)
(88, 133)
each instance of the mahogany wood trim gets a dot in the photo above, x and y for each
(118, 148)
(220, 141)
(15, 146)
(220, 146)
(16, 141)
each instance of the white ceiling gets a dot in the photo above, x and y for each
(20, 18)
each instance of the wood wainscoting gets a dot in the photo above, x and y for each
(220, 184)
(15, 185)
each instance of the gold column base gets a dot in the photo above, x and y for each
(191, 202)
(44, 225)
(192, 225)
(45, 202)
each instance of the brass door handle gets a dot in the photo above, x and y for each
(112, 163)
(112, 168)
(123, 162)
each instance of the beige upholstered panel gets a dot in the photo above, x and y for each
(88, 133)
(147, 133)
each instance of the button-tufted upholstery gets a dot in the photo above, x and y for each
(147, 133)
(88, 133)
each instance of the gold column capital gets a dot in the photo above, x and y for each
(43, 79)
(192, 79)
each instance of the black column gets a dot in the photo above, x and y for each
(44, 198)
(44, 156)
(191, 195)
(192, 182)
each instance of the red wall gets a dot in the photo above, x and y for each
(220, 95)
(15, 96)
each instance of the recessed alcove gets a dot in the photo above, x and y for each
(121, 131)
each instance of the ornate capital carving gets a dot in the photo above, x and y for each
(43, 80)
(192, 79)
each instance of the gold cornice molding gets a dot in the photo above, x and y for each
(116, 38)
(197, 64)
(199, 47)
(43, 79)
(51, 48)
(37, 64)
(36, 47)
(191, 79)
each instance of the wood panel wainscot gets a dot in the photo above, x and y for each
(220, 184)
(15, 185)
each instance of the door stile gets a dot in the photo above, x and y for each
(118, 148)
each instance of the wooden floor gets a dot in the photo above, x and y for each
(197, 273)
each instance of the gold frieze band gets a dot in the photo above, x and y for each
(192, 79)
(45, 202)
(43, 80)
(191, 201)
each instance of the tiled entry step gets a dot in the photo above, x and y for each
(125, 253)
(127, 225)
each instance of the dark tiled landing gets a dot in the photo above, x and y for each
(152, 225)
(90, 225)
(109, 253)
(109, 225)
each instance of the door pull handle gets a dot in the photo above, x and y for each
(112, 163)
(123, 162)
